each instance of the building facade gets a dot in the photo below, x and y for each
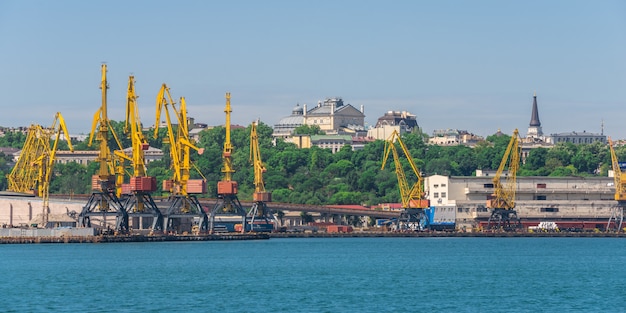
(399, 121)
(578, 138)
(332, 116)
(86, 156)
(537, 198)
(454, 137)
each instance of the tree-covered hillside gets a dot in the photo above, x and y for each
(316, 176)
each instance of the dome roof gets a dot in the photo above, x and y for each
(291, 120)
(297, 110)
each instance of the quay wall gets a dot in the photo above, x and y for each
(15, 211)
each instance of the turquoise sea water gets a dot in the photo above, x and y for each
(318, 275)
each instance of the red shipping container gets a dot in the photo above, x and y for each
(339, 229)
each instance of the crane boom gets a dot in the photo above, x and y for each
(132, 128)
(504, 194)
(413, 216)
(106, 189)
(33, 170)
(618, 177)
(259, 168)
(411, 195)
(227, 200)
(180, 143)
(502, 201)
(227, 186)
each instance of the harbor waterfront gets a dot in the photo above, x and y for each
(260, 236)
(379, 274)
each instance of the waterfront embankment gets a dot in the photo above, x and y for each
(129, 238)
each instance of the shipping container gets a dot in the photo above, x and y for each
(339, 229)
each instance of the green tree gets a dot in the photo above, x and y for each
(306, 217)
(308, 130)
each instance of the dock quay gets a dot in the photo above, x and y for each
(448, 234)
(128, 238)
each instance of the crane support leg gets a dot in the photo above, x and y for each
(227, 204)
(150, 209)
(104, 204)
(504, 220)
(184, 207)
(412, 219)
(259, 210)
(616, 221)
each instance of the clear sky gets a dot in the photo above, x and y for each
(470, 65)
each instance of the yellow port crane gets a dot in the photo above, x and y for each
(104, 198)
(502, 201)
(260, 196)
(227, 200)
(33, 170)
(182, 197)
(412, 195)
(617, 217)
(139, 201)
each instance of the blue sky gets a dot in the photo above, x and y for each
(470, 65)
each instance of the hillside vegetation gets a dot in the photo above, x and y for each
(316, 176)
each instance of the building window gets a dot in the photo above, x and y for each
(436, 195)
(541, 197)
(541, 185)
(443, 194)
(436, 186)
(443, 185)
(488, 185)
(549, 210)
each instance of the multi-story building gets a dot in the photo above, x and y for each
(86, 156)
(285, 127)
(332, 116)
(453, 137)
(402, 122)
(578, 138)
(332, 142)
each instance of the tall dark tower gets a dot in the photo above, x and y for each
(534, 128)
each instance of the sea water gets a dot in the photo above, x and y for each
(318, 275)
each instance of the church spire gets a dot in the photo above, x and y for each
(534, 118)
(534, 129)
